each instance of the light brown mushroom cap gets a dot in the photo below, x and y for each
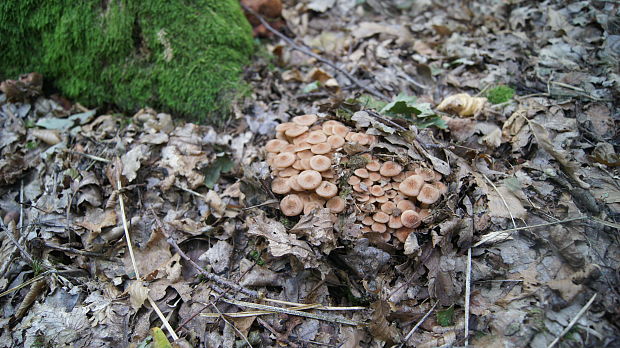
(340, 130)
(363, 139)
(411, 186)
(386, 236)
(382, 199)
(305, 163)
(288, 172)
(376, 190)
(281, 136)
(353, 180)
(391, 194)
(395, 222)
(400, 177)
(304, 154)
(366, 156)
(283, 127)
(321, 148)
(326, 190)
(275, 145)
(301, 139)
(378, 227)
(428, 174)
(368, 220)
(305, 120)
(381, 217)
(302, 147)
(374, 176)
(284, 159)
(424, 213)
(402, 233)
(293, 184)
(363, 198)
(366, 229)
(291, 205)
(361, 172)
(309, 179)
(429, 194)
(335, 141)
(388, 207)
(297, 165)
(373, 166)
(320, 163)
(390, 168)
(441, 187)
(405, 204)
(354, 137)
(410, 218)
(280, 186)
(358, 188)
(336, 204)
(316, 137)
(295, 131)
(311, 205)
(289, 148)
(328, 174)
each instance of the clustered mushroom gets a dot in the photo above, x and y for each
(390, 200)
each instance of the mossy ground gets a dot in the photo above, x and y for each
(179, 56)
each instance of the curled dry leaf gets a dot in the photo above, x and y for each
(137, 294)
(462, 104)
(48, 136)
(318, 228)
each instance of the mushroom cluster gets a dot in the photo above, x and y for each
(389, 199)
(394, 200)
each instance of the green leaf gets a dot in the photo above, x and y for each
(500, 94)
(369, 102)
(159, 338)
(214, 170)
(446, 317)
(408, 107)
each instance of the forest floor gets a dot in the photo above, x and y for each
(522, 250)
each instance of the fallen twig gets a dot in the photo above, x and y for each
(308, 52)
(417, 325)
(467, 295)
(573, 322)
(492, 235)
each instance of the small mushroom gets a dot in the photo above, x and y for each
(284, 159)
(295, 131)
(382, 199)
(395, 222)
(376, 190)
(335, 204)
(363, 198)
(373, 166)
(388, 207)
(287, 172)
(374, 176)
(316, 137)
(321, 148)
(361, 172)
(305, 120)
(353, 180)
(283, 127)
(428, 195)
(309, 179)
(280, 186)
(381, 217)
(320, 163)
(405, 205)
(335, 141)
(368, 220)
(410, 218)
(301, 139)
(312, 204)
(411, 186)
(340, 130)
(304, 154)
(328, 174)
(390, 169)
(275, 145)
(291, 205)
(293, 184)
(378, 227)
(305, 163)
(326, 189)
(443, 189)
(402, 233)
(288, 148)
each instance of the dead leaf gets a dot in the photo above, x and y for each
(513, 204)
(48, 136)
(318, 229)
(131, 161)
(462, 104)
(379, 326)
(137, 294)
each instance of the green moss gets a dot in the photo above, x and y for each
(179, 56)
(500, 94)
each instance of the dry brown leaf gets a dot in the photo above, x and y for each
(379, 326)
(48, 136)
(137, 294)
(513, 204)
(132, 160)
(96, 218)
(570, 167)
(318, 229)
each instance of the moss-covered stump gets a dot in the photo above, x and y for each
(180, 56)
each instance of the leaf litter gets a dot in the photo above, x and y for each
(546, 157)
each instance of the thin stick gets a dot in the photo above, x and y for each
(161, 316)
(16, 243)
(417, 325)
(232, 325)
(306, 51)
(28, 282)
(467, 296)
(492, 235)
(503, 200)
(92, 157)
(573, 322)
(292, 312)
